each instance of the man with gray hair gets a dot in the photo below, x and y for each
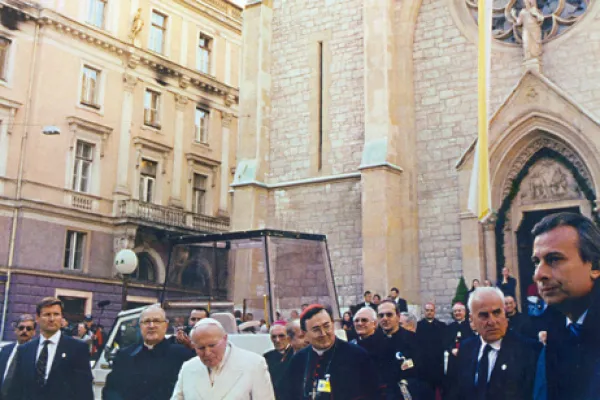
(296, 335)
(148, 370)
(408, 321)
(279, 358)
(498, 364)
(221, 370)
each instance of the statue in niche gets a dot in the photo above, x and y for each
(531, 19)
(136, 26)
(549, 181)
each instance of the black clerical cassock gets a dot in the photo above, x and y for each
(278, 364)
(343, 372)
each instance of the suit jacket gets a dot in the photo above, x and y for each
(430, 341)
(513, 374)
(4, 356)
(352, 373)
(244, 377)
(573, 365)
(361, 305)
(401, 304)
(70, 375)
(142, 374)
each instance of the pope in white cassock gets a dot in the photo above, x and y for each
(221, 370)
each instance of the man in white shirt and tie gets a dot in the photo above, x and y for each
(221, 370)
(52, 366)
(498, 364)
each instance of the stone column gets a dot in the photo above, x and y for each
(389, 215)
(180, 104)
(224, 194)
(249, 201)
(122, 188)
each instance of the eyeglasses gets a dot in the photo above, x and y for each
(149, 322)
(386, 315)
(325, 328)
(280, 336)
(193, 319)
(25, 328)
(361, 320)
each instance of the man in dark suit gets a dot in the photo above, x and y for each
(400, 302)
(279, 358)
(148, 370)
(498, 364)
(507, 283)
(430, 340)
(24, 331)
(400, 341)
(329, 368)
(566, 254)
(368, 297)
(53, 366)
(517, 321)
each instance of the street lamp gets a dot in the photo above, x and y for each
(126, 261)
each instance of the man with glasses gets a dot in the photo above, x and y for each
(403, 348)
(279, 358)
(329, 368)
(24, 331)
(221, 370)
(148, 370)
(52, 366)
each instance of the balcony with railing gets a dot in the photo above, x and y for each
(170, 217)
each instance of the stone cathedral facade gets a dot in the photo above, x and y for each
(358, 120)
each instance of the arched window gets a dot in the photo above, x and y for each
(146, 270)
(195, 276)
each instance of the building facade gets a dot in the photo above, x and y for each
(118, 130)
(362, 120)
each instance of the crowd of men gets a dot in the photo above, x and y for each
(489, 351)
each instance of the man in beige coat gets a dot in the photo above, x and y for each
(221, 371)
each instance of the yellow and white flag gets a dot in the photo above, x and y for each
(480, 202)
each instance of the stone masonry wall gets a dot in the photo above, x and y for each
(295, 24)
(446, 101)
(333, 210)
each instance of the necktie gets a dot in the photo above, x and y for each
(575, 329)
(482, 373)
(40, 366)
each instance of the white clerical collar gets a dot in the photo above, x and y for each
(53, 339)
(494, 345)
(282, 351)
(580, 320)
(321, 352)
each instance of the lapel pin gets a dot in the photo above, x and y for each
(64, 355)
(503, 367)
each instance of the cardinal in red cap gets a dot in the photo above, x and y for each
(329, 368)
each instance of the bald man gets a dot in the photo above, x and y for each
(221, 370)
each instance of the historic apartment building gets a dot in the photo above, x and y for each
(362, 117)
(118, 129)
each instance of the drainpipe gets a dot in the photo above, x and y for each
(15, 217)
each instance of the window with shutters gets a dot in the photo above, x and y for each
(147, 180)
(75, 250)
(90, 86)
(152, 108)
(199, 194)
(82, 169)
(203, 53)
(201, 126)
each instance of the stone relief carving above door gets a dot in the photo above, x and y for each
(548, 181)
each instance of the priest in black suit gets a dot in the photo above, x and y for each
(566, 254)
(329, 368)
(278, 359)
(518, 322)
(404, 344)
(430, 340)
(498, 364)
(52, 366)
